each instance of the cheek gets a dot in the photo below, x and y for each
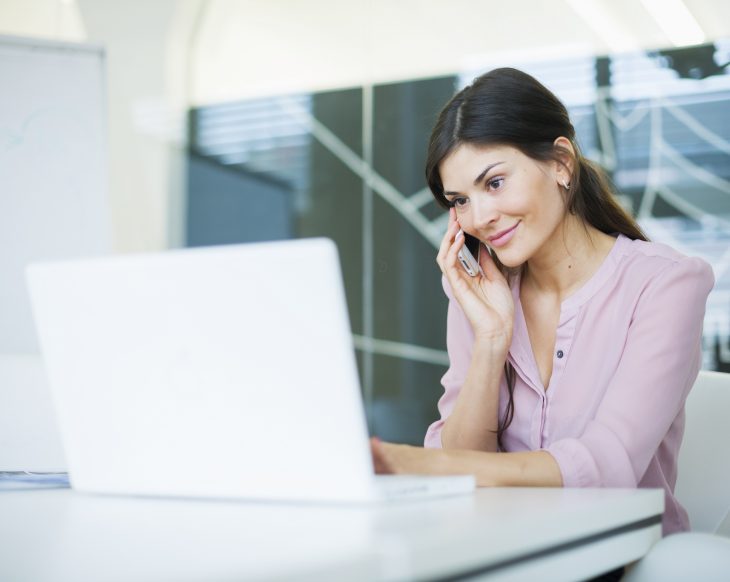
(553, 205)
(542, 200)
(465, 220)
(467, 226)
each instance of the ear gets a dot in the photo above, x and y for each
(566, 156)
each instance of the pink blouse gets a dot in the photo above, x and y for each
(627, 351)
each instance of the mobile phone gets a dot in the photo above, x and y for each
(469, 255)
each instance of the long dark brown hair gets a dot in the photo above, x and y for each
(508, 107)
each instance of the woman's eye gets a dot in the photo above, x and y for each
(495, 184)
(459, 202)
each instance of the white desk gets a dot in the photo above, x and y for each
(500, 534)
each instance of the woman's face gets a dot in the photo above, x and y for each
(512, 203)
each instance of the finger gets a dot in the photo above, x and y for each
(486, 262)
(380, 463)
(452, 265)
(447, 240)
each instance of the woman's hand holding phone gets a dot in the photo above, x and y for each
(485, 297)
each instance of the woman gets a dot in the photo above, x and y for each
(572, 353)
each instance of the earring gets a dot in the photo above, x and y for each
(566, 184)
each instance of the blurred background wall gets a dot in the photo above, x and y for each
(240, 120)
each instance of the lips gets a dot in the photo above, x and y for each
(503, 236)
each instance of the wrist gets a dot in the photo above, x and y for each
(496, 345)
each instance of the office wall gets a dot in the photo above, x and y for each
(49, 19)
(147, 46)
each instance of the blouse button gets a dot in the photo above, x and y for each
(560, 353)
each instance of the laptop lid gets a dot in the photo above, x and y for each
(221, 371)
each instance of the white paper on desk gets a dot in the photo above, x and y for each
(14, 480)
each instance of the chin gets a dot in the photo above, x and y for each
(509, 259)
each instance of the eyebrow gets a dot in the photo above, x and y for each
(478, 179)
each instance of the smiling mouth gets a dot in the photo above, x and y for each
(502, 236)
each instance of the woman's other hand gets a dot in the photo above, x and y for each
(390, 458)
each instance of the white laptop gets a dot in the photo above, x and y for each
(224, 372)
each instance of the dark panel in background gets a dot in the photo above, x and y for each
(227, 205)
(403, 115)
(403, 414)
(334, 194)
(341, 112)
(410, 305)
(409, 302)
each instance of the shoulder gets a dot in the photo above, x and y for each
(647, 264)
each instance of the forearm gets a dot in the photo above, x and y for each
(473, 422)
(524, 469)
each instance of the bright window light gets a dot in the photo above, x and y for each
(676, 21)
(604, 24)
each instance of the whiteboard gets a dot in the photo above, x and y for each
(53, 174)
(53, 205)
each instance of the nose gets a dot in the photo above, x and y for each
(485, 212)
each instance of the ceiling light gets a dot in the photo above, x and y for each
(676, 21)
(604, 24)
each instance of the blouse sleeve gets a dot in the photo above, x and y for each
(459, 342)
(660, 362)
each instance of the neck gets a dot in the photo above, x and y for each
(572, 255)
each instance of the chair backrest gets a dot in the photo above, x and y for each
(703, 480)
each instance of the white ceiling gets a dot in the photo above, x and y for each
(243, 48)
(259, 47)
